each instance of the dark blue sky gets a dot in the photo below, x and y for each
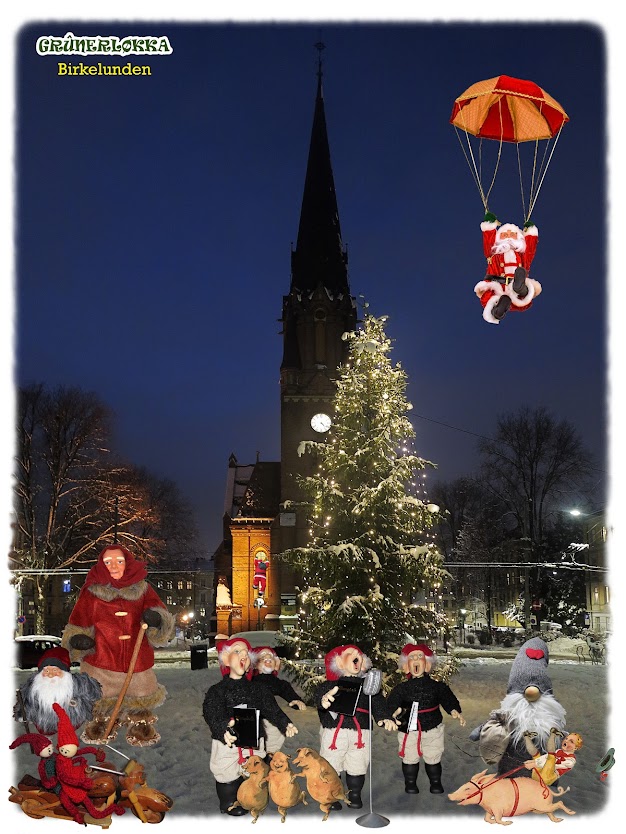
(155, 216)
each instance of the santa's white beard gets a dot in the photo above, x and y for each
(508, 245)
(537, 717)
(57, 690)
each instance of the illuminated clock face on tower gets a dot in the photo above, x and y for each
(320, 422)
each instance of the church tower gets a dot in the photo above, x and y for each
(316, 312)
(254, 590)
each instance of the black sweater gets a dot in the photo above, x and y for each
(428, 693)
(379, 708)
(221, 698)
(279, 687)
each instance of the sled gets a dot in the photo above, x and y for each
(146, 803)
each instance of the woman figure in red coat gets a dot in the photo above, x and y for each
(101, 632)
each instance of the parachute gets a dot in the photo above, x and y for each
(508, 110)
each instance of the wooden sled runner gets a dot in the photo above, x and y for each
(130, 791)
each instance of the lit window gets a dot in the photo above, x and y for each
(596, 595)
(606, 594)
(168, 599)
(181, 585)
(189, 585)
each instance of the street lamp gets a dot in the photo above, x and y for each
(462, 612)
(258, 603)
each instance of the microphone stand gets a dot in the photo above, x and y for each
(371, 820)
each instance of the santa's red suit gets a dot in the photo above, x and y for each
(260, 574)
(506, 248)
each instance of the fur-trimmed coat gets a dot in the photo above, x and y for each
(113, 618)
(85, 692)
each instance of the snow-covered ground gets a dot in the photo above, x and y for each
(179, 764)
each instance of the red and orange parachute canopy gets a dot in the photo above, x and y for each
(505, 109)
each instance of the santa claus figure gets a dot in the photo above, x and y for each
(101, 632)
(259, 581)
(507, 284)
(54, 683)
(266, 664)
(344, 740)
(529, 707)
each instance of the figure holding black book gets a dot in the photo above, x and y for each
(415, 704)
(232, 707)
(344, 714)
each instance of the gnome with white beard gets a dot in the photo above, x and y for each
(528, 707)
(54, 683)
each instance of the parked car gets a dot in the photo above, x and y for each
(29, 649)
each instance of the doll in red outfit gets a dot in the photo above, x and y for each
(507, 284)
(42, 746)
(113, 604)
(71, 773)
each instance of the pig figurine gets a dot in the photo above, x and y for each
(285, 792)
(322, 780)
(502, 797)
(253, 794)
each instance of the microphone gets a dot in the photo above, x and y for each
(372, 682)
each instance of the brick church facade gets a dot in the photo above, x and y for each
(253, 589)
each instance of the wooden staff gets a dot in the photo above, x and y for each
(129, 675)
(20, 701)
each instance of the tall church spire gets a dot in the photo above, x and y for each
(319, 255)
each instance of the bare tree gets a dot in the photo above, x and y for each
(72, 496)
(533, 464)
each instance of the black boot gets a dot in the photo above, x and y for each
(434, 774)
(519, 282)
(410, 777)
(501, 308)
(227, 795)
(336, 806)
(355, 786)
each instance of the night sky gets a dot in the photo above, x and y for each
(154, 219)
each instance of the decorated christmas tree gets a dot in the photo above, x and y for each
(371, 557)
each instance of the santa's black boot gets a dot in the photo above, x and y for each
(410, 772)
(501, 308)
(520, 287)
(227, 795)
(434, 774)
(355, 786)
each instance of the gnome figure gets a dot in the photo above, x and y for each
(528, 707)
(42, 747)
(509, 251)
(344, 740)
(54, 683)
(266, 665)
(71, 773)
(425, 739)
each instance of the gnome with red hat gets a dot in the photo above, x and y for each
(344, 739)
(237, 688)
(42, 747)
(54, 683)
(265, 664)
(423, 738)
(71, 773)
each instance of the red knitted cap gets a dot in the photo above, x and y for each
(55, 657)
(65, 731)
(38, 742)
(419, 647)
(333, 672)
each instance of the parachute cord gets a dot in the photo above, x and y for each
(472, 165)
(532, 206)
(521, 180)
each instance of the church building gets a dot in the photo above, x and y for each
(255, 591)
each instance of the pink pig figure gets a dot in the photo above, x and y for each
(501, 797)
